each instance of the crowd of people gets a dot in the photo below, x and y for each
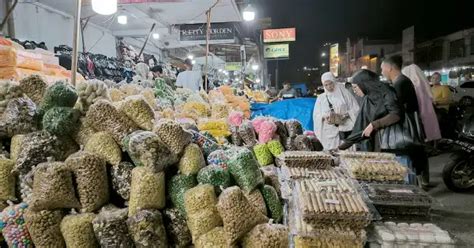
(399, 117)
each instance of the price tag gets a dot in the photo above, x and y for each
(402, 191)
(332, 201)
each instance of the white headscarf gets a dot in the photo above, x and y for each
(328, 77)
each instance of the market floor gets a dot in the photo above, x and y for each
(453, 212)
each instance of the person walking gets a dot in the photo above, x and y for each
(406, 94)
(334, 114)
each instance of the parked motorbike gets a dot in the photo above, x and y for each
(458, 174)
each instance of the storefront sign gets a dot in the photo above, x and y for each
(276, 51)
(334, 59)
(197, 32)
(279, 35)
(233, 66)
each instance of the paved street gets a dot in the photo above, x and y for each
(453, 211)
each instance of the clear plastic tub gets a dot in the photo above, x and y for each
(305, 159)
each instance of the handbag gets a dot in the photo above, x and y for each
(403, 135)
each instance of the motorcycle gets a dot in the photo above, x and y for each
(458, 175)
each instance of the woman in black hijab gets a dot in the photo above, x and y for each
(380, 109)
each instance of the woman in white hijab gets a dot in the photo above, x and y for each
(425, 102)
(335, 113)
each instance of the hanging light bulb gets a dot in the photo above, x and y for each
(255, 67)
(258, 80)
(104, 7)
(122, 19)
(156, 36)
(249, 13)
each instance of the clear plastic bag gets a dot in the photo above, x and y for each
(275, 147)
(83, 132)
(147, 229)
(235, 136)
(19, 117)
(219, 158)
(90, 92)
(199, 198)
(244, 169)
(273, 203)
(215, 175)
(267, 235)
(247, 133)
(255, 198)
(104, 145)
(34, 87)
(13, 226)
(214, 238)
(303, 143)
(288, 143)
(103, 116)
(263, 154)
(53, 187)
(121, 176)
(270, 175)
(139, 111)
(203, 221)
(9, 90)
(207, 145)
(61, 121)
(146, 149)
(78, 232)
(36, 148)
(177, 228)
(7, 180)
(59, 94)
(45, 228)
(177, 187)
(90, 175)
(192, 160)
(238, 215)
(294, 128)
(110, 228)
(173, 135)
(147, 190)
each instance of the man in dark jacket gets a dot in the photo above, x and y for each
(406, 94)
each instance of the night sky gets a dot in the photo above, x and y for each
(321, 21)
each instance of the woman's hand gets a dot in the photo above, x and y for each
(368, 130)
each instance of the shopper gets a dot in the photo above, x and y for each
(442, 96)
(157, 71)
(334, 114)
(406, 94)
(287, 91)
(379, 110)
(189, 79)
(425, 101)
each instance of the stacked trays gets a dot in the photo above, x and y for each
(305, 159)
(376, 170)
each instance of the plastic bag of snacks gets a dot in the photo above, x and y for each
(238, 215)
(116, 95)
(53, 187)
(146, 149)
(220, 111)
(177, 228)
(270, 175)
(121, 176)
(197, 109)
(281, 129)
(173, 135)
(273, 203)
(235, 136)
(34, 87)
(275, 147)
(104, 145)
(83, 132)
(214, 238)
(102, 116)
(207, 145)
(177, 186)
(247, 133)
(216, 176)
(13, 226)
(218, 157)
(303, 143)
(147, 229)
(110, 228)
(263, 154)
(294, 128)
(64, 146)
(78, 232)
(36, 148)
(8, 90)
(91, 91)
(61, 121)
(147, 190)
(90, 174)
(244, 169)
(19, 117)
(25, 186)
(59, 94)
(198, 198)
(192, 160)
(255, 198)
(7, 180)
(45, 228)
(267, 131)
(16, 146)
(267, 235)
(236, 118)
(288, 143)
(203, 221)
(139, 111)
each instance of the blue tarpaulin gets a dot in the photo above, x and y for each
(300, 109)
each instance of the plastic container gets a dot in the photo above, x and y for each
(305, 159)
